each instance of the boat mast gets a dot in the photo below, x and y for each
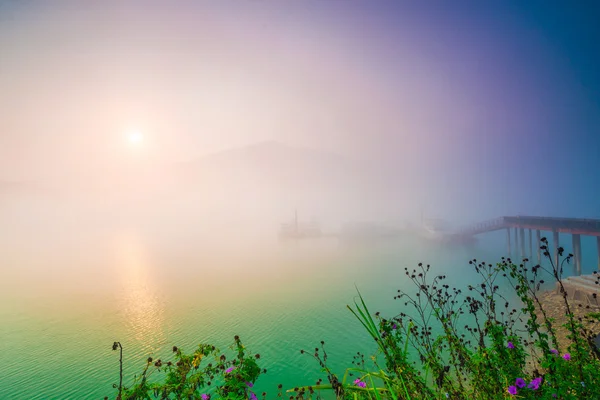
(296, 221)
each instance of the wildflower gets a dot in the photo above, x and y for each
(447, 396)
(567, 356)
(554, 351)
(512, 390)
(535, 383)
(359, 383)
(583, 384)
(510, 345)
(394, 326)
(520, 383)
(228, 370)
(249, 384)
(205, 396)
(252, 396)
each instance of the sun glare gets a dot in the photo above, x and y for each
(135, 137)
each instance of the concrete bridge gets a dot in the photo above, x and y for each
(573, 226)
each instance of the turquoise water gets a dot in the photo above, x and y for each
(66, 298)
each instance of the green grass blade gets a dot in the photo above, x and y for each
(376, 391)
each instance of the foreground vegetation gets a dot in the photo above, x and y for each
(485, 349)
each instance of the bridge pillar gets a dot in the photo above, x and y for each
(598, 247)
(522, 239)
(530, 245)
(555, 237)
(539, 250)
(579, 255)
(576, 254)
(508, 243)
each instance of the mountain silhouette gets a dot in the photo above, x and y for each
(272, 175)
(274, 163)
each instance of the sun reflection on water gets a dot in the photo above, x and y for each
(139, 299)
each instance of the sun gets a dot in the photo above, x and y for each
(135, 137)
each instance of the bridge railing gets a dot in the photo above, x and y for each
(558, 223)
(488, 225)
(591, 226)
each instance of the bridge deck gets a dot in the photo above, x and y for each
(590, 227)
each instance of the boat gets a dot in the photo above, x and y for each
(435, 229)
(298, 230)
(439, 231)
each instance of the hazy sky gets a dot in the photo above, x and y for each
(485, 103)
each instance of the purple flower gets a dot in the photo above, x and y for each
(252, 396)
(249, 384)
(520, 383)
(535, 383)
(228, 370)
(554, 351)
(567, 356)
(359, 383)
(512, 390)
(394, 326)
(510, 345)
(205, 396)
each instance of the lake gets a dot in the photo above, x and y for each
(68, 293)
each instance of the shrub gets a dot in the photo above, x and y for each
(446, 344)
(191, 376)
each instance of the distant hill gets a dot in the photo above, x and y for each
(277, 177)
(258, 185)
(271, 177)
(276, 166)
(275, 163)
